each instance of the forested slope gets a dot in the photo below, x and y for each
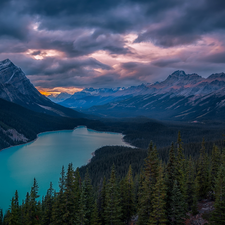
(19, 125)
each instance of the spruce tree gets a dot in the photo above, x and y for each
(127, 191)
(69, 195)
(59, 205)
(25, 210)
(158, 215)
(190, 182)
(14, 212)
(181, 167)
(113, 208)
(94, 216)
(218, 216)
(102, 200)
(170, 177)
(215, 164)
(86, 201)
(147, 184)
(202, 174)
(48, 202)
(178, 206)
(34, 213)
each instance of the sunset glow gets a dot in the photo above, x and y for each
(104, 46)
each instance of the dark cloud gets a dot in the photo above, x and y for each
(75, 29)
(215, 58)
(187, 24)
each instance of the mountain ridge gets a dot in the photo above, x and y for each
(180, 96)
(16, 87)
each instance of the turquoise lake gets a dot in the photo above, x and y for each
(44, 158)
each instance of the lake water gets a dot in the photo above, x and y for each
(44, 158)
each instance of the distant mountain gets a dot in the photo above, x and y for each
(60, 97)
(90, 97)
(16, 87)
(180, 97)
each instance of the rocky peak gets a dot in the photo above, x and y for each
(179, 74)
(217, 76)
(9, 73)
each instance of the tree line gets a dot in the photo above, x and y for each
(162, 193)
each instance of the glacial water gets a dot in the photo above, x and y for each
(44, 158)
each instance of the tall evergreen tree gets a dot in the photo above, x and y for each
(181, 167)
(69, 195)
(102, 200)
(15, 210)
(94, 216)
(171, 175)
(59, 205)
(178, 207)
(158, 215)
(127, 198)
(218, 216)
(47, 212)
(86, 201)
(113, 208)
(202, 174)
(34, 213)
(215, 164)
(146, 190)
(190, 182)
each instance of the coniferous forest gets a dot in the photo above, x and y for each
(155, 190)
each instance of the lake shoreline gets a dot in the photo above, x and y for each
(30, 141)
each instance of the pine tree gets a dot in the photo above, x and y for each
(102, 200)
(69, 195)
(146, 190)
(158, 215)
(59, 205)
(77, 193)
(218, 216)
(14, 218)
(178, 207)
(202, 174)
(113, 208)
(25, 210)
(215, 158)
(48, 202)
(170, 177)
(191, 189)
(94, 216)
(181, 167)
(127, 198)
(86, 201)
(34, 213)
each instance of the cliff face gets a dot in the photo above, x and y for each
(16, 87)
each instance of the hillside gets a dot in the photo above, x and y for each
(16, 87)
(19, 125)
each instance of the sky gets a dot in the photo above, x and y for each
(68, 45)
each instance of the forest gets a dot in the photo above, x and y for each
(155, 190)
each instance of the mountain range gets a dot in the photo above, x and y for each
(180, 97)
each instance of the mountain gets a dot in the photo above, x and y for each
(19, 125)
(90, 97)
(180, 97)
(59, 97)
(16, 87)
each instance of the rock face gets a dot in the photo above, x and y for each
(17, 88)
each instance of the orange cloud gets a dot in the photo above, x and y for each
(58, 90)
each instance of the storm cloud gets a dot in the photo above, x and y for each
(99, 43)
